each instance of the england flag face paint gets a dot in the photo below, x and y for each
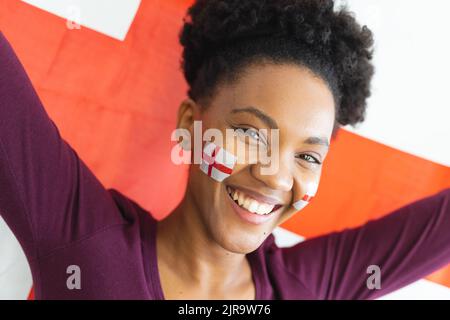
(311, 191)
(217, 163)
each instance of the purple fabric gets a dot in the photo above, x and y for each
(62, 216)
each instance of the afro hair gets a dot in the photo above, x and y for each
(221, 37)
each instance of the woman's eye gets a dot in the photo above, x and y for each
(250, 132)
(309, 159)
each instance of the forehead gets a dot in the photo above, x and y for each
(293, 96)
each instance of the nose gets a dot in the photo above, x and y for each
(281, 179)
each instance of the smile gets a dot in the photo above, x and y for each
(249, 203)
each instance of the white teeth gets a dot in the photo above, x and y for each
(253, 206)
(240, 199)
(250, 204)
(265, 208)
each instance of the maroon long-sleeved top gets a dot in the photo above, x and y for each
(63, 216)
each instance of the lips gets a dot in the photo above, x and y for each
(252, 207)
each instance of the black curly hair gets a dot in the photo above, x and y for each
(221, 37)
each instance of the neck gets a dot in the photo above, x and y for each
(185, 245)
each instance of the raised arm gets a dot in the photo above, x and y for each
(48, 197)
(406, 245)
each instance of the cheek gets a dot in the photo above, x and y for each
(306, 191)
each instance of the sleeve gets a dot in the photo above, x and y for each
(406, 245)
(48, 197)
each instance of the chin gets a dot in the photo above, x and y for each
(237, 237)
(241, 244)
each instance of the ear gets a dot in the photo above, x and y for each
(188, 112)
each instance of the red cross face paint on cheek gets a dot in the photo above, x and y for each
(217, 163)
(311, 191)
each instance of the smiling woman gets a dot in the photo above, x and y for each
(298, 67)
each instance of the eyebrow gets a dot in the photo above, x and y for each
(273, 124)
(259, 114)
(318, 141)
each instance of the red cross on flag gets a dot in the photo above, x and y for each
(217, 163)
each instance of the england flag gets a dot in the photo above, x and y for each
(217, 163)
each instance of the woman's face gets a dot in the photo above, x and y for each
(269, 96)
